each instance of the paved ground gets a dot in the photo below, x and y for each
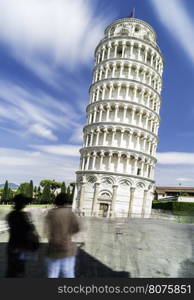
(133, 248)
(142, 247)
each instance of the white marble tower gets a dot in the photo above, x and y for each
(116, 176)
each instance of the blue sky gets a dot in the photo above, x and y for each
(46, 61)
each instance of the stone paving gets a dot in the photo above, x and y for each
(125, 248)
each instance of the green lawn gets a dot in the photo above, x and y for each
(4, 206)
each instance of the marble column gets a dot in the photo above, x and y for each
(103, 91)
(87, 162)
(101, 160)
(121, 138)
(107, 114)
(123, 49)
(127, 91)
(94, 161)
(124, 114)
(95, 198)
(144, 203)
(82, 192)
(114, 197)
(113, 137)
(115, 52)
(109, 160)
(131, 200)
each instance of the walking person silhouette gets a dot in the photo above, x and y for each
(23, 237)
(61, 223)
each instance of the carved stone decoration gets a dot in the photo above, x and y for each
(106, 180)
(106, 195)
(140, 185)
(91, 179)
(125, 182)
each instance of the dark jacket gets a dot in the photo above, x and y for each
(21, 229)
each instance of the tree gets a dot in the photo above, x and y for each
(53, 184)
(46, 194)
(11, 195)
(63, 188)
(5, 195)
(24, 189)
(68, 192)
(37, 195)
(31, 189)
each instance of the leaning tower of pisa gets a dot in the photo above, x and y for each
(116, 176)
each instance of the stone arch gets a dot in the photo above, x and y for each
(107, 180)
(91, 179)
(125, 182)
(140, 185)
(105, 194)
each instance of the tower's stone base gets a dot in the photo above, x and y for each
(110, 195)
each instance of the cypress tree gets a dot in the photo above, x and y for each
(63, 188)
(46, 194)
(31, 189)
(5, 195)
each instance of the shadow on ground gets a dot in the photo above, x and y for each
(86, 265)
(186, 268)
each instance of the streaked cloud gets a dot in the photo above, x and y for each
(173, 175)
(174, 168)
(67, 150)
(185, 179)
(20, 166)
(44, 34)
(41, 131)
(175, 17)
(77, 135)
(35, 112)
(175, 158)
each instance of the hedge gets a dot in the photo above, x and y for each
(178, 208)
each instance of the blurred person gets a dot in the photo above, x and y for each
(23, 237)
(61, 223)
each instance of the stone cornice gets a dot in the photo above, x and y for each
(126, 80)
(123, 102)
(108, 124)
(117, 149)
(125, 59)
(116, 174)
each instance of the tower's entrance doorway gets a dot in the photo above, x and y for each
(103, 210)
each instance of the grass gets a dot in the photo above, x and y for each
(5, 206)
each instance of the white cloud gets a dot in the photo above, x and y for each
(20, 166)
(36, 112)
(46, 33)
(173, 15)
(42, 131)
(174, 168)
(67, 150)
(185, 179)
(77, 135)
(174, 175)
(175, 158)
